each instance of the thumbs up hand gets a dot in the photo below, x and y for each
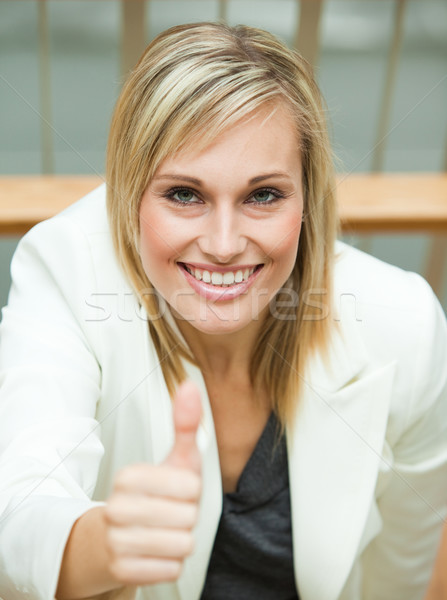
(187, 412)
(153, 508)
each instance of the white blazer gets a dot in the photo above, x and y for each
(82, 394)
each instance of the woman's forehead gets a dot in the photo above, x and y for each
(264, 142)
(268, 120)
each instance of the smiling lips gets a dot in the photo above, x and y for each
(218, 278)
(220, 285)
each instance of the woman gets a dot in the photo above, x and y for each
(306, 453)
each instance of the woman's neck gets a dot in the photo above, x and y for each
(222, 355)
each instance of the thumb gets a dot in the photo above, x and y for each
(187, 412)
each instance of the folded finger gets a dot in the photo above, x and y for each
(159, 480)
(151, 511)
(150, 542)
(145, 571)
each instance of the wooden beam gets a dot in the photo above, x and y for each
(378, 158)
(133, 33)
(27, 200)
(45, 108)
(401, 203)
(436, 263)
(223, 11)
(307, 38)
(408, 203)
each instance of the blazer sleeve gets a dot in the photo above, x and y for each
(50, 383)
(412, 494)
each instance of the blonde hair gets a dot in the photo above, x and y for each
(192, 82)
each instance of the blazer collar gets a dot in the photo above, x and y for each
(346, 355)
(189, 585)
(334, 449)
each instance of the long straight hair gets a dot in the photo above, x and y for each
(192, 83)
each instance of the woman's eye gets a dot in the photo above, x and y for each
(183, 196)
(263, 196)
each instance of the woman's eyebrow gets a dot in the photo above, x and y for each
(178, 177)
(257, 179)
(278, 174)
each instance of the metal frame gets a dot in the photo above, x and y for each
(307, 36)
(389, 87)
(46, 132)
(133, 33)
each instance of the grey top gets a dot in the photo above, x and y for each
(252, 557)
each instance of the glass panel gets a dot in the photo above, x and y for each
(355, 38)
(162, 14)
(19, 88)
(85, 51)
(419, 116)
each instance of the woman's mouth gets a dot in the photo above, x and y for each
(220, 285)
(218, 278)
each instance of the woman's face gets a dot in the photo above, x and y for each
(220, 227)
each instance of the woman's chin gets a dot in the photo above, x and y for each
(215, 323)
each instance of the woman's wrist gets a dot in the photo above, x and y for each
(85, 565)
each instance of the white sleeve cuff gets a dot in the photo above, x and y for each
(33, 536)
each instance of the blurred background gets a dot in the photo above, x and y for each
(381, 64)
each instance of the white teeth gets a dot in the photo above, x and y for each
(239, 276)
(228, 278)
(221, 279)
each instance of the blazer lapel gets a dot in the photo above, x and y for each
(195, 568)
(334, 454)
(191, 581)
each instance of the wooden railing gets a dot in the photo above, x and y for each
(134, 36)
(406, 203)
(369, 203)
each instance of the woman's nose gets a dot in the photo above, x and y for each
(223, 239)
